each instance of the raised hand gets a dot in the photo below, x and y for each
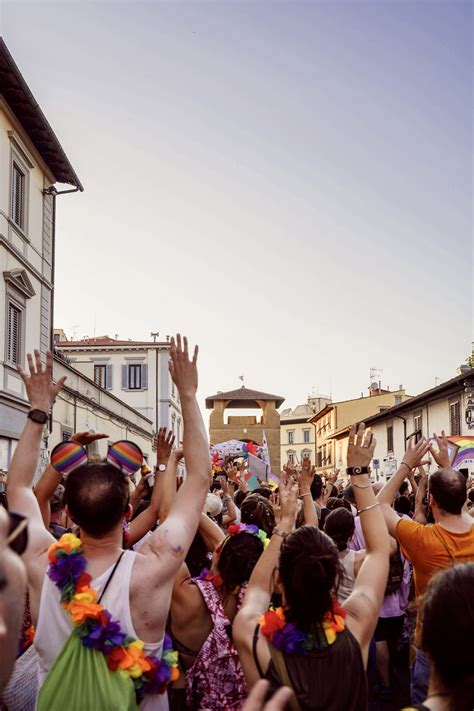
(306, 476)
(332, 477)
(275, 502)
(182, 369)
(164, 441)
(360, 449)
(256, 698)
(441, 457)
(288, 499)
(414, 453)
(40, 389)
(86, 438)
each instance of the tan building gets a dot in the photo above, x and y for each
(338, 415)
(246, 427)
(297, 435)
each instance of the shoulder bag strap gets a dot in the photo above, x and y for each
(441, 539)
(109, 579)
(282, 671)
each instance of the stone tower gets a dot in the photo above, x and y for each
(247, 427)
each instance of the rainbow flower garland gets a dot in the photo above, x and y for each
(235, 528)
(98, 630)
(287, 638)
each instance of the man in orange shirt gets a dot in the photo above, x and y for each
(434, 547)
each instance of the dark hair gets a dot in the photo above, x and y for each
(448, 488)
(263, 491)
(258, 510)
(97, 497)
(471, 495)
(239, 496)
(335, 503)
(198, 556)
(310, 571)
(238, 558)
(215, 486)
(316, 487)
(348, 494)
(451, 590)
(402, 505)
(339, 526)
(403, 488)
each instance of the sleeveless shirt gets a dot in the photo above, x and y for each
(216, 679)
(54, 625)
(347, 581)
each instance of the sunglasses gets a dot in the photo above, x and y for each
(125, 456)
(17, 537)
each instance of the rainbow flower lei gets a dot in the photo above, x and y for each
(287, 638)
(96, 627)
(235, 528)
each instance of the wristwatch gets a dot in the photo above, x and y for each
(160, 468)
(353, 471)
(38, 416)
(278, 532)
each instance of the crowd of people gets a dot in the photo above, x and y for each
(123, 588)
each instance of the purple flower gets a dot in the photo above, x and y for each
(167, 643)
(290, 640)
(203, 574)
(161, 677)
(103, 637)
(250, 528)
(68, 568)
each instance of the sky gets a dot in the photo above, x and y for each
(287, 183)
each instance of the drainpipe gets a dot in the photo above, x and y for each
(404, 428)
(157, 350)
(52, 191)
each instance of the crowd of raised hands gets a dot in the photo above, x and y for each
(198, 562)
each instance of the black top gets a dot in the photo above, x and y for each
(329, 679)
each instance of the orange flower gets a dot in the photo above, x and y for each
(82, 609)
(272, 621)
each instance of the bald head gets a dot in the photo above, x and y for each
(448, 489)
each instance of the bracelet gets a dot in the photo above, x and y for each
(355, 471)
(367, 508)
(303, 495)
(277, 532)
(362, 486)
(407, 465)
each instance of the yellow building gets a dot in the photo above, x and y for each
(246, 427)
(338, 415)
(297, 436)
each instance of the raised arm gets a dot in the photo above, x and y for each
(260, 587)
(305, 478)
(211, 533)
(41, 393)
(50, 478)
(171, 541)
(419, 515)
(413, 458)
(364, 603)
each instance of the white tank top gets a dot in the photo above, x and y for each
(346, 584)
(54, 626)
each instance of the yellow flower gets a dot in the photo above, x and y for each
(69, 540)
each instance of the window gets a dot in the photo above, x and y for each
(291, 457)
(398, 399)
(320, 457)
(306, 434)
(134, 376)
(329, 455)
(389, 438)
(455, 419)
(100, 375)
(18, 196)
(324, 454)
(291, 437)
(15, 316)
(66, 433)
(417, 425)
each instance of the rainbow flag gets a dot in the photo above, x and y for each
(464, 453)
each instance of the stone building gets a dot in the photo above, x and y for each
(246, 427)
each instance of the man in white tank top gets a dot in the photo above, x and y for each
(139, 593)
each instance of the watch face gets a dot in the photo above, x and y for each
(38, 416)
(162, 467)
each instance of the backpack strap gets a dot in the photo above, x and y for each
(280, 666)
(109, 579)
(445, 545)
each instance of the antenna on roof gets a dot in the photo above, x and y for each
(241, 377)
(375, 374)
(116, 336)
(154, 336)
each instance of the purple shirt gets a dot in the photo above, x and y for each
(395, 604)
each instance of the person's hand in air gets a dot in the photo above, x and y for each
(86, 438)
(256, 698)
(40, 388)
(183, 370)
(441, 456)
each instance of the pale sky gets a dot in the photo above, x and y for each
(289, 183)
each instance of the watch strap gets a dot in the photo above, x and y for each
(38, 416)
(355, 471)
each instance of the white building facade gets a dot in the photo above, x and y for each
(135, 372)
(31, 162)
(297, 434)
(448, 407)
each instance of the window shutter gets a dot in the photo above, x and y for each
(124, 377)
(144, 377)
(109, 378)
(14, 330)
